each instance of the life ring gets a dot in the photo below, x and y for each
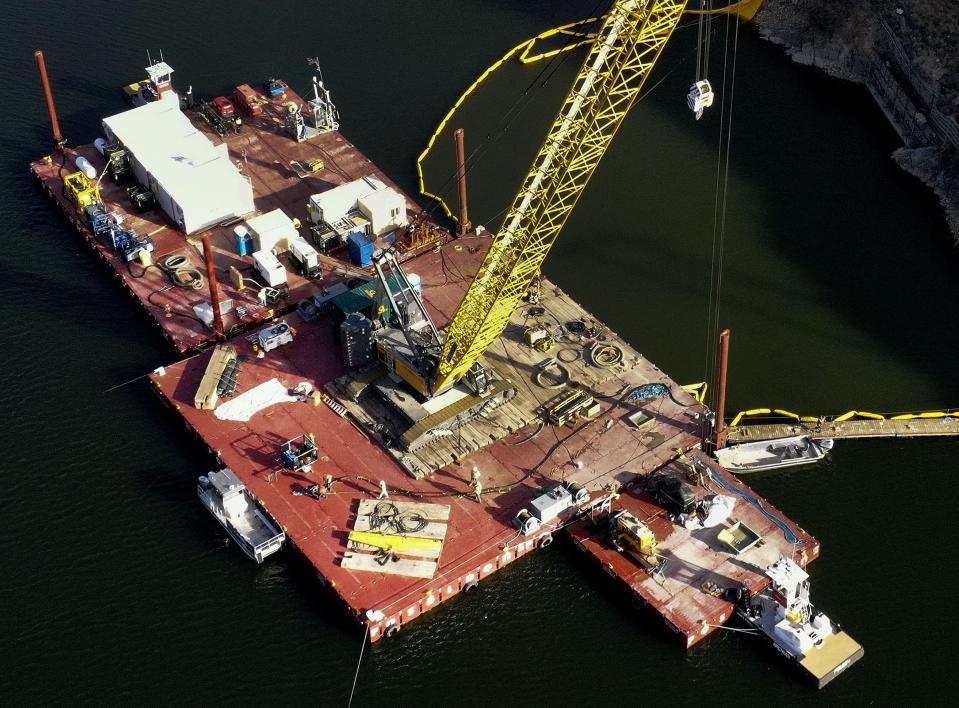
(545, 540)
(470, 586)
(392, 630)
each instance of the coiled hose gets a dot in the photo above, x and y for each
(605, 355)
(180, 272)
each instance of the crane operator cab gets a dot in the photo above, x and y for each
(700, 97)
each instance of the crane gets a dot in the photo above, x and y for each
(626, 47)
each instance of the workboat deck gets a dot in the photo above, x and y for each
(264, 154)
(696, 558)
(824, 663)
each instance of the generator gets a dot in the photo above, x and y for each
(305, 257)
(141, 198)
(276, 336)
(100, 220)
(299, 453)
(632, 536)
(129, 243)
(80, 191)
(324, 238)
(118, 162)
(547, 507)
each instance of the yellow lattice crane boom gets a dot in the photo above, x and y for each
(622, 56)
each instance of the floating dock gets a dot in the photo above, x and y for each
(393, 533)
(914, 426)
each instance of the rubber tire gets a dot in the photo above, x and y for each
(545, 541)
(470, 586)
(392, 630)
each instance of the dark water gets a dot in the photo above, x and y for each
(839, 287)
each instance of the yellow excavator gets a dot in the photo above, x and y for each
(431, 362)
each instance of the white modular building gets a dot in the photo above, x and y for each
(194, 181)
(383, 206)
(272, 231)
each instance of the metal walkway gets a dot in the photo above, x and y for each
(917, 427)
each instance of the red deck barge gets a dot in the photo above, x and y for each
(603, 454)
(481, 537)
(265, 155)
(696, 558)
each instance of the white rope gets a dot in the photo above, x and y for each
(358, 663)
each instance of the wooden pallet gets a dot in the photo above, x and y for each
(413, 554)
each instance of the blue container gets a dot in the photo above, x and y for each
(244, 244)
(361, 250)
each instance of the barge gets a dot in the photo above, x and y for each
(396, 524)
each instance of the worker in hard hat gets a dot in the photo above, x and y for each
(477, 486)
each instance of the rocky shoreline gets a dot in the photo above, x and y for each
(904, 53)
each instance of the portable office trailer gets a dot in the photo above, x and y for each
(194, 181)
(334, 204)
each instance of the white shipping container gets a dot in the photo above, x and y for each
(270, 268)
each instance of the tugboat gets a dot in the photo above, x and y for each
(800, 632)
(234, 507)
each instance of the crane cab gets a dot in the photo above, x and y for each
(700, 97)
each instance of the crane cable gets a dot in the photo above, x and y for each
(720, 204)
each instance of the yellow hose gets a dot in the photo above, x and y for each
(744, 9)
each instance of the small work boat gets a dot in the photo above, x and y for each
(772, 454)
(231, 503)
(815, 644)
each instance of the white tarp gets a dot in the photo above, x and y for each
(718, 510)
(248, 404)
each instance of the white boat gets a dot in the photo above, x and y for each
(804, 635)
(772, 454)
(234, 507)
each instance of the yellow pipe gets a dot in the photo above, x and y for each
(397, 543)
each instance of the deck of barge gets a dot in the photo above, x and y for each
(694, 558)
(518, 455)
(262, 153)
(481, 538)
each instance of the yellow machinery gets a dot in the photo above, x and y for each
(571, 407)
(538, 338)
(632, 536)
(80, 190)
(622, 56)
